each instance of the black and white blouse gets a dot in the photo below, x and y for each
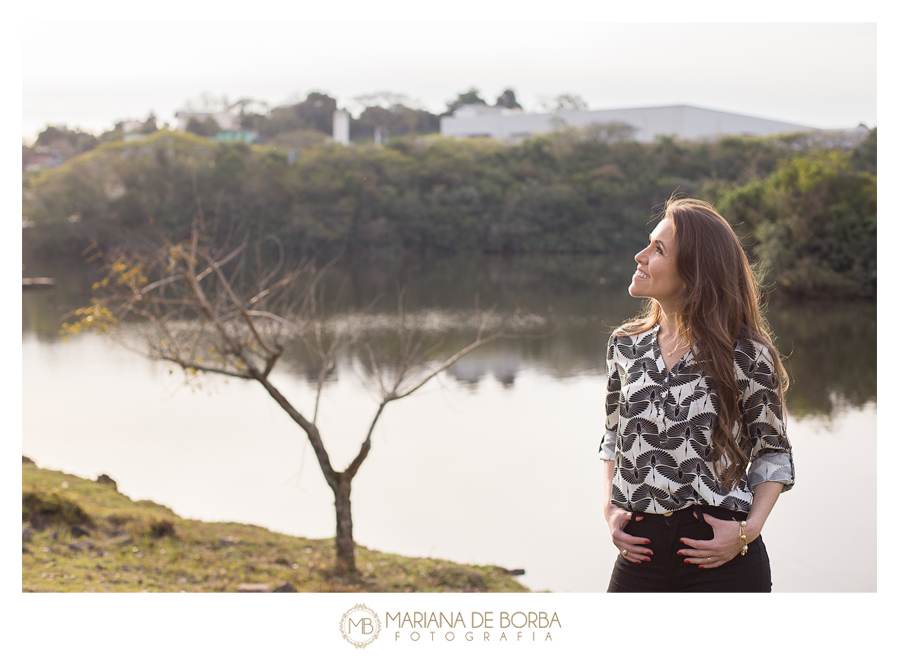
(659, 426)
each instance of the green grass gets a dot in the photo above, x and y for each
(140, 546)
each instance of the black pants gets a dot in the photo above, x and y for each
(667, 572)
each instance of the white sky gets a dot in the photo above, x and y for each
(91, 75)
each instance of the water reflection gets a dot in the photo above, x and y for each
(519, 421)
(832, 354)
(572, 303)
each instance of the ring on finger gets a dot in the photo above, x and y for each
(708, 560)
(624, 552)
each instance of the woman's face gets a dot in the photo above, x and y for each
(656, 276)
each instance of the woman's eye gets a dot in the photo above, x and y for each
(659, 250)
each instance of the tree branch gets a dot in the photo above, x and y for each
(241, 309)
(312, 432)
(456, 357)
(367, 444)
(200, 367)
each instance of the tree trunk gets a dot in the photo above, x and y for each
(345, 558)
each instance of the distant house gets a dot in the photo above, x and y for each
(40, 157)
(246, 136)
(230, 129)
(131, 130)
(682, 121)
(131, 126)
(226, 120)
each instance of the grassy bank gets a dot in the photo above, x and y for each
(84, 536)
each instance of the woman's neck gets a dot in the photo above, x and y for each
(668, 324)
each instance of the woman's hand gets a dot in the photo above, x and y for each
(711, 553)
(630, 547)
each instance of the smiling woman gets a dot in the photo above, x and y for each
(657, 276)
(695, 449)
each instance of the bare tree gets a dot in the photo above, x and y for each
(385, 99)
(207, 102)
(219, 310)
(561, 103)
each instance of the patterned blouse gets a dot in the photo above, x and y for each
(659, 424)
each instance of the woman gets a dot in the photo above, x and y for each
(695, 449)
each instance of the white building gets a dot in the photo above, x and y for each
(341, 127)
(226, 120)
(131, 130)
(132, 126)
(682, 121)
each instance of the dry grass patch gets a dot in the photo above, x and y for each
(84, 536)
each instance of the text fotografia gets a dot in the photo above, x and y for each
(481, 626)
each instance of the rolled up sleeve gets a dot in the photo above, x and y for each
(762, 410)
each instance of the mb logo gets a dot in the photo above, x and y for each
(360, 626)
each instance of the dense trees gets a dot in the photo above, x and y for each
(394, 120)
(313, 113)
(813, 221)
(205, 127)
(808, 208)
(508, 100)
(65, 141)
(470, 97)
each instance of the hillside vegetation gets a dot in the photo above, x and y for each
(805, 203)
(84, 536)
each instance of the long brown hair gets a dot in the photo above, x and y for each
(720, 303)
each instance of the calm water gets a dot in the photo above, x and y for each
(494, 462)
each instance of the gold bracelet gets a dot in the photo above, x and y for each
(743, 538)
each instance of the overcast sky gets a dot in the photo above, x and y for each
(91, 75)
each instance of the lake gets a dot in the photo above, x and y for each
(493, 462)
